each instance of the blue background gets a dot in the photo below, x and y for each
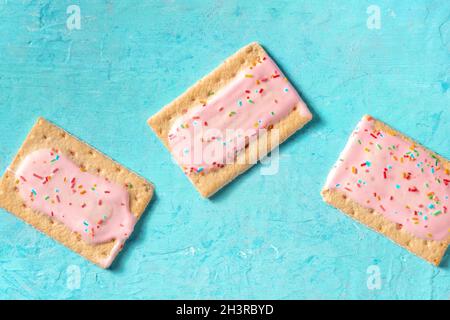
(262, 236)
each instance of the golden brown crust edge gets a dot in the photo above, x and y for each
(209, 183)
(430, 250)
(46, 135)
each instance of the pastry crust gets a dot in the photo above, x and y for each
(209, 183)
(430, 250)
(46, 135)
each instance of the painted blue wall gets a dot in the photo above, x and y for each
(263, 236)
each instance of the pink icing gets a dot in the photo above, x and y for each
(89, 205)
(401, 181)
(213, 133)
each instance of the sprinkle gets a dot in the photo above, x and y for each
(58, 199)
(33, 192)
(25, 180)
(56, 159)
(354, 170)
(434, 157)
(100, 202)
(106, 191)
(249, 76)
(397, 186)
(286, 89)
(37, 176)
(413, 189)
(437, 213)
(232, 113)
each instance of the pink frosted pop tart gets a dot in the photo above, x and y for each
(73, 193)
(395, 186)
(230, 119)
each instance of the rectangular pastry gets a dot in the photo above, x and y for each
(73, 193)
(395, 186)
(230, 119)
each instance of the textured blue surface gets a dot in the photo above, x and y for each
(263, 236)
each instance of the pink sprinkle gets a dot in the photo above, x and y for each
(37, 176)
